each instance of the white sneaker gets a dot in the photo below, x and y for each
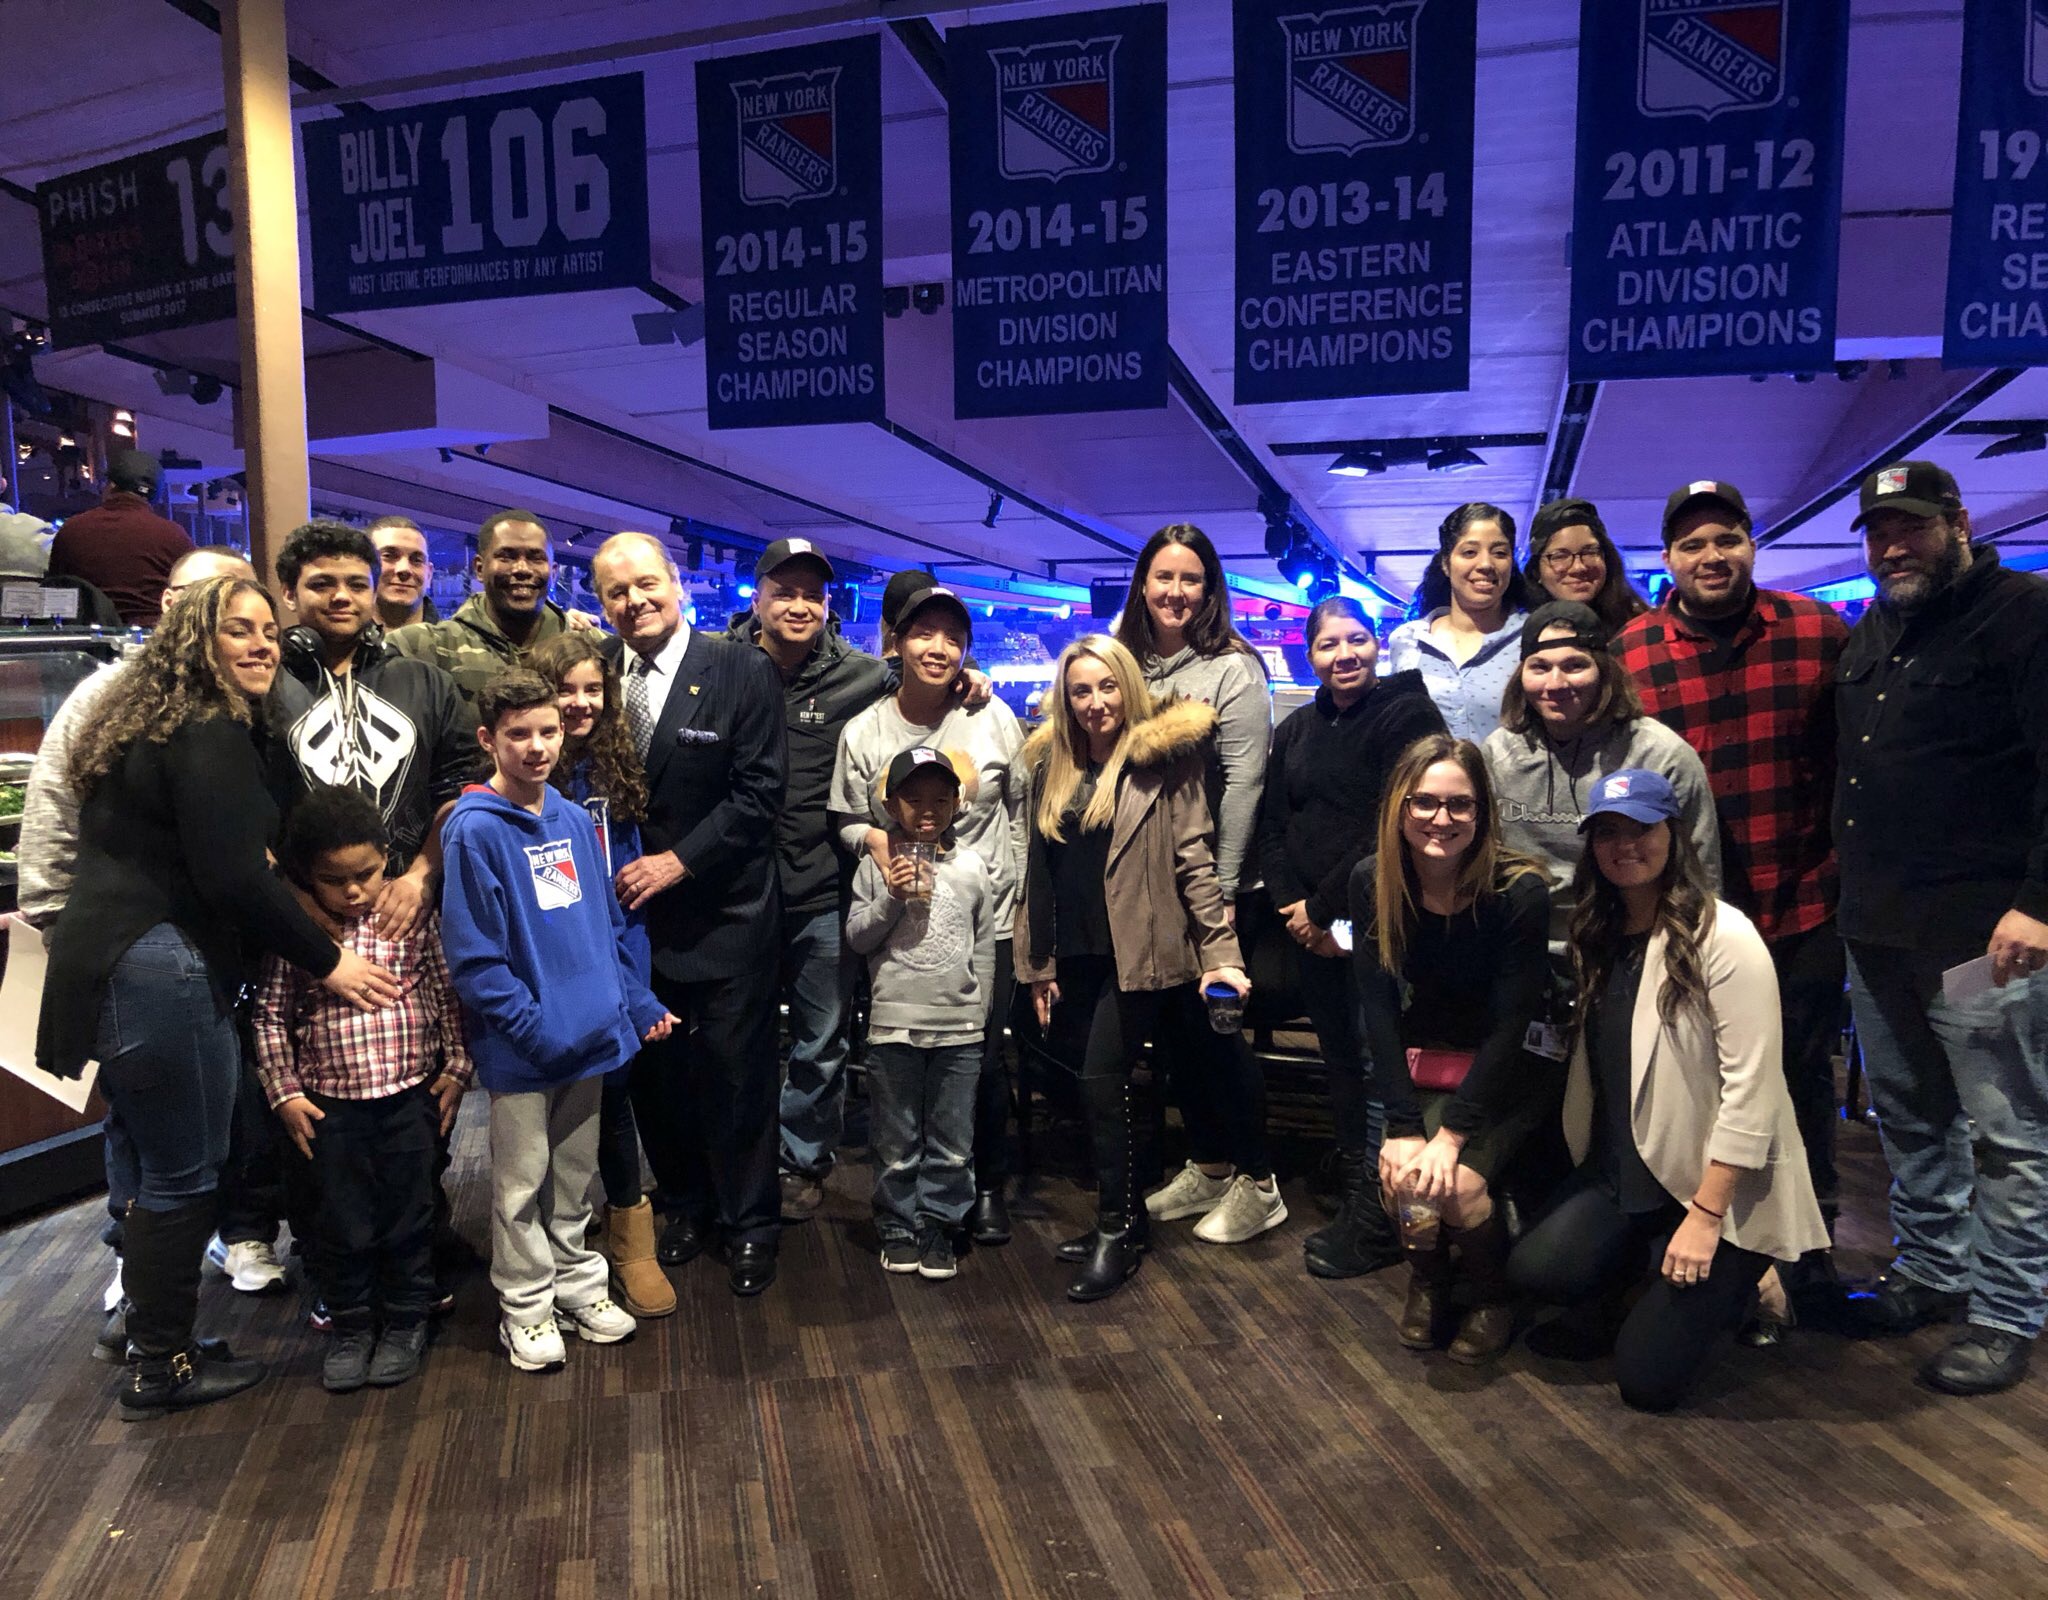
(112, 1297)
(1191, 1193)
(1245, 1213)
(533, 1346)
(252, 1266)
(600, 1322)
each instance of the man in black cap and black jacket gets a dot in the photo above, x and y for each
(825, 683)
(1941, 824)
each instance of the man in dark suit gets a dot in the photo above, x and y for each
(707, 717)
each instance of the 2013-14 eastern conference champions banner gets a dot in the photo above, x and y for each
(1354, 198)
(1706, 211)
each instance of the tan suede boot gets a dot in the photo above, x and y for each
(638, 1283)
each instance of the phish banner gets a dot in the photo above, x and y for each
(1998, 238)
(140, 245)
(1059, 213)
(539, 191)
(1354, 199)
(1706, 211)
(789, 164)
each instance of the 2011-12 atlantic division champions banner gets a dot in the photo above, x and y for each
(1354, 198)
(1706, 210)
(1058, 142)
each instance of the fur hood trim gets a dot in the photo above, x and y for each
(1176, 728)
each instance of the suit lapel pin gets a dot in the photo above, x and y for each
(693, 688)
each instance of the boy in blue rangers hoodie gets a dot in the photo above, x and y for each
(537, 949)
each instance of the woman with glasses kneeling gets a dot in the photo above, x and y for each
(1453, 981)
(1675, 1108)
(1120, 906)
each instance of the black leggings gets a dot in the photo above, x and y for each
(1116, 1025)
(1218, 1081)
(1586, 1246)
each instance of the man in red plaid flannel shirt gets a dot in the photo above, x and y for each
(1746, 676)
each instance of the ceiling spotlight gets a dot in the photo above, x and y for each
(928, 297)
(1895, 369)
(895, 299)
(123, 425)
(995, 509)
(1850, 371)
(447, 456)
(2021, 443)
(1802, 377)
(206, 390)
(1357, 464)
(483, 449)
(1455, 459)
(654, 327)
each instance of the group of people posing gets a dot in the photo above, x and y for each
(1566, 893)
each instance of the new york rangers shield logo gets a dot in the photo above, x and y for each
(1351, 78)
(555, 883)
(2037, 46)
(1703, 57)
(1055, 108)
(788, 136)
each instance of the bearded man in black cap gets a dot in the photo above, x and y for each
(121, 546)
(1941, 824)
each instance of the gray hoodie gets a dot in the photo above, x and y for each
(1234, 685)
(931, 966)
(1542, 790)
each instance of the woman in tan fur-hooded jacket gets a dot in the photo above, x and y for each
(1120, 904)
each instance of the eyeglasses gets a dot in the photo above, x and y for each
(1460, 807)
(1565, 560)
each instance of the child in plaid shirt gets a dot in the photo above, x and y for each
(364, 1096)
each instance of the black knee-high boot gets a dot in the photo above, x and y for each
(1117, 1247)
(160, 1262)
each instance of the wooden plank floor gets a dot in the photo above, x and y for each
(1227, 1426)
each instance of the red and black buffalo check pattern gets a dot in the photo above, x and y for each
(1761, 714)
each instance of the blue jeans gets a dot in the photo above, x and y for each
(817, 978)
(170, 1067)
(923, 1113)
(1961, 1093)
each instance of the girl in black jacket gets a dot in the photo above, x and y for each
(1317, 819)
(173, 895)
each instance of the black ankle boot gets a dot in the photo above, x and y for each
(160, 1262)
(112, 1344)
(989, 1222)
(1361, 1238)
(1082, 1245)
(1115, 1253)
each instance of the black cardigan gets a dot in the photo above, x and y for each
(1321, 809)
(175, 833)
(1473, 981)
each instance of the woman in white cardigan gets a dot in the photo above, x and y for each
(1675, 1109)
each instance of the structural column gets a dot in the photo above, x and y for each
(272, 402)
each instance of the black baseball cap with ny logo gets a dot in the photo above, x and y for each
(1918, 488)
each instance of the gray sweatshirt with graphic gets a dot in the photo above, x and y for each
(1234, 685)
(1542, 790)
(931, 965)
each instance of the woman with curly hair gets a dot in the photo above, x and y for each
(601, 771)
(174, 897)
(1675, 1108)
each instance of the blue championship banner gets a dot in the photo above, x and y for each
(140, 245)
(789, 166)
(1998, 230)
(539, 191)
(1354, 198)
(1706, 211)
(1059, 213)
